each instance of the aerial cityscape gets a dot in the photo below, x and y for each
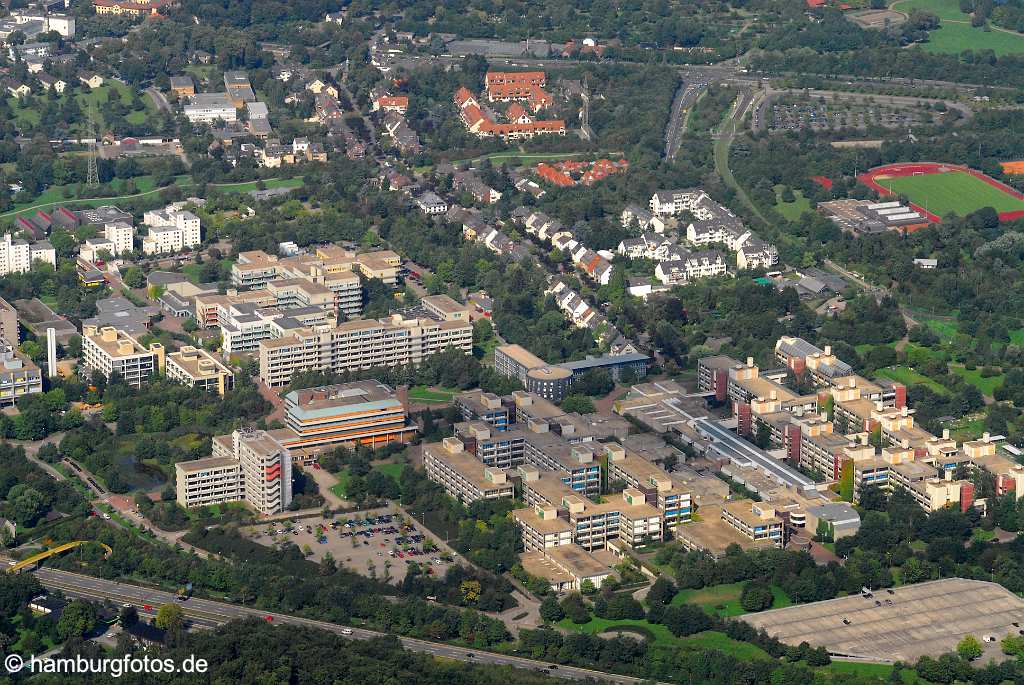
(477, 342)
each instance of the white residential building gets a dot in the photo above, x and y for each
(108, 350)
(206, 108)
(121, 234)
(249, 466)
(17, 255)
(691, 267)
(170, 230)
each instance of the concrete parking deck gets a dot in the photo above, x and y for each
(927, 618)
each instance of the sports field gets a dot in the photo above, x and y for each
(950, 192)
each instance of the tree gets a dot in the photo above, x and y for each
(661, 592)
(169, 617)
(27, 504)
(587, 587)
(470, 591)
(78, 620)
(969, 648)
(575, 608)
(128, 617)
(580, 404)
(685, 619)
(756, 596)
(550, 611)
(134, 278)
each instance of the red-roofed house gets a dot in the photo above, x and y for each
(392, 103)
(553, 175)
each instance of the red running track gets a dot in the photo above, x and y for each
(898, 170)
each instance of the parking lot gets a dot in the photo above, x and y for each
(380, 543)
(902, 623)
(794, 115)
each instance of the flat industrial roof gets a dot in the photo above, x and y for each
(923, 619)
(741, 451)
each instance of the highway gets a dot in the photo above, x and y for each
(686, 97)
(204, 613)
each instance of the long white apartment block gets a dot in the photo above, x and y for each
(17, 256)
(247, 466)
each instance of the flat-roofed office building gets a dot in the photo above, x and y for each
(109, 351)
(362, 412)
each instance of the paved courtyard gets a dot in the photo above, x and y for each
(380, 548)
(903, 623)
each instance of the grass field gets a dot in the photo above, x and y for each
(791, 210)
(907, 376)
(955, 34)
(341, 487)
(985, 385)
(724, 600)
(952, 192)
(710, 639)
(422, 393)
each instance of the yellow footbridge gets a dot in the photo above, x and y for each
(35, 558)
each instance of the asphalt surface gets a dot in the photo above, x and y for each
(686, 97)
(204, 613)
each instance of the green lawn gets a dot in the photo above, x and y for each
(254, 185)
(864, 670)
(952, 192)
(710, 639)
(393, 470)
(986, 385)
(422, 393)
(341, 487)
(724, 600)
(1017, 336)
(944, 328)
(908, 376)
(967, 429)
(955, 34)
(791, 210)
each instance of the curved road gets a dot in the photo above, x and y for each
(206, 613)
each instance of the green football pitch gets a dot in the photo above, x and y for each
(951, 192)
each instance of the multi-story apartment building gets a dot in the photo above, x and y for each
(248, 466)
(109, 351)
(754, 520)
(197, 368)
(205, 482)
(19, 376)
(504, 449)
(653, 481)
(336, 268)
(821, 365)
(360, 344)
(8, 322)
(691, 266)
(362, 412)
(17, 256)
(578, 466)
(542, 527)
(170, 230)
(477, 405)
(461, 475)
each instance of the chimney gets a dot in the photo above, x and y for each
(828, 350)
(750, 361)
(904, 411)
(773, 395)
(986, 437)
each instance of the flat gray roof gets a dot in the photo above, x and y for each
(744, 453)
(923, 619)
